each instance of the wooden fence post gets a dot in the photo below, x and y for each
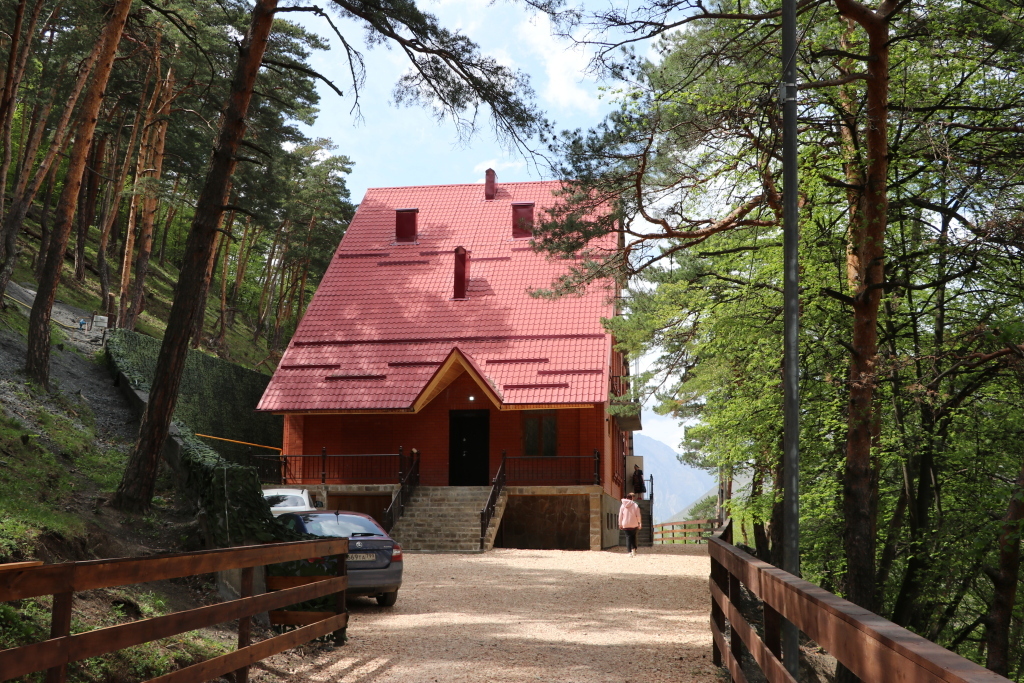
(60, 624)
(340, 606)
(244, 623)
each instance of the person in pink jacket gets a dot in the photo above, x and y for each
(629, 521)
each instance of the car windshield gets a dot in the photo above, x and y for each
(341, 525)
(286, 501)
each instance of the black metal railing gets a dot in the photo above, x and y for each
(363, 468)
(492, 500)
(409, 478)
(558, 470)
(650, 497)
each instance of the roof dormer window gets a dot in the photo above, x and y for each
(405, 225)
(522, 220)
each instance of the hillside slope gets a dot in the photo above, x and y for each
(61, 456)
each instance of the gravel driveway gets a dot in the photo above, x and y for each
(526, 615)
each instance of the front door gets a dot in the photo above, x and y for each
(468, 447)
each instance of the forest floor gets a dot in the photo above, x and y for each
(62, 453)
(525, 615)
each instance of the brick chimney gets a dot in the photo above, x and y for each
(405, 225)
(461, 273)
(490, 184)
(522, 219)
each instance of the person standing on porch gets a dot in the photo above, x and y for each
(629, 521)
(639, 487)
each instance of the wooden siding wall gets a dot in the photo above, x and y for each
(580, 431)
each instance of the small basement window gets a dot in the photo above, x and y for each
(540, 433)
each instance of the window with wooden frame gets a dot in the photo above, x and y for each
(540, 433)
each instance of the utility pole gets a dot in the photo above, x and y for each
(791, 317)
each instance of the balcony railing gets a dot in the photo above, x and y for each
(363, 468)
(558, 470)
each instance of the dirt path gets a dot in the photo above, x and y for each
(526, 615)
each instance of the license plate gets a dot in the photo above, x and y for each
(362, 557)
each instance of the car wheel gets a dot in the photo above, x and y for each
(387, 599)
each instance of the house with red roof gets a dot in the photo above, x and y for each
(424, 361)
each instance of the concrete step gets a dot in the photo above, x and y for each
(442, 518)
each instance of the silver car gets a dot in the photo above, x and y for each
(374, 558)
(288, 500)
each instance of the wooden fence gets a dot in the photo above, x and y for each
(874, 649)
(33, 579)
(690, 531)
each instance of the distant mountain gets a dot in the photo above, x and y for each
(676, 486)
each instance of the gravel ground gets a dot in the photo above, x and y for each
(526, 615)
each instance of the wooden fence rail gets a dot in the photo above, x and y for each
(29, 580)
(874, 649)
(690, 531)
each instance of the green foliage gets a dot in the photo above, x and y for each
(229, 496)
(703, 508)
(689, 164)
(225, 489)
(216, 397)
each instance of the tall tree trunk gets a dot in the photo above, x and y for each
(44, 221)
(222, 334)
(907, 610)
(860, 482)
(113, 208)
(25, 190)
(1004, 582)
(150, 200)
(20, 49)
(38, 360)
(78, 271)
(87, 202)
(7, 94)
(200, 320)
(7, 98)
(242, 260)
(135, 492)
(139, 188)
(172, 211)
(268, 278)
(169, 218)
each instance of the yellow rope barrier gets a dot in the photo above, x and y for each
(244, 443)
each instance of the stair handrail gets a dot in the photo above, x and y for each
(408, 480)
(650, 497)
(492, 501)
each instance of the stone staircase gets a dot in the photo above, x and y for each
(447, 518)
(646, 535)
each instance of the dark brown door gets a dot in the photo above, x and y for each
(469, 447)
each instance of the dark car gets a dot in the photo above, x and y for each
(374, 558)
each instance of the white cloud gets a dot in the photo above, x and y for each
(498, 166)
(564, 65)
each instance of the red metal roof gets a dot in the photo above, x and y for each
(384, 317)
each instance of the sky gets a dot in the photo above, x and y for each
(400, 146)
(396, 146)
